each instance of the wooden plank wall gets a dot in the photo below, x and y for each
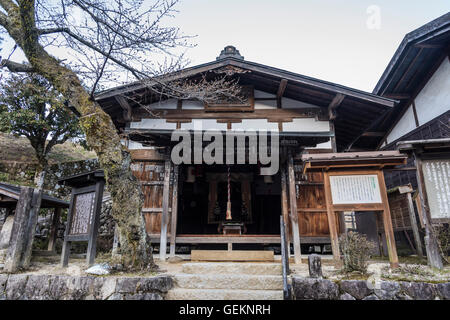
(311, 205)
(398, 203)
(151, 176)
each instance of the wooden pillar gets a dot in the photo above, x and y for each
(54, 229)
(415, 228)
(431, 244)
(17, 244)
(165, 211)
(387, 222)
(92, 244)
(333, 138)
(294, 213)
(174, 214)
(331, 220)
(65, 253)
(285, 208)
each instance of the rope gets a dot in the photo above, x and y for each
(228, 217)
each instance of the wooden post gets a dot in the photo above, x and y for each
(285, 209)
(331, 220)
(54, 229)
(31, 228)
(433, 255)
(17, 244)
(333, 138)
(165, 211)
(93, 232)
(415, 229)
(67, 244)
(174, 215)
(387, 222)
(294, 213)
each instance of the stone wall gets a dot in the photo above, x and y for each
(53, 287)
(323, 289)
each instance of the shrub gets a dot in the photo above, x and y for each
(355, 249)
(443, 237)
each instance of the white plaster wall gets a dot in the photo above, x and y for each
(155, 124)
(255, 124)
(263, 94)
(306, 125)
(133, 145)
(405, 125)
(165, 104)
(287, 103)
(192, 105)
(325, 145)
(204, 124)
(265, 104)
(434, 99)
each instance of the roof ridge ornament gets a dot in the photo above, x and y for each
(230, 52)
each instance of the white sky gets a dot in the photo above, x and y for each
(325, 39)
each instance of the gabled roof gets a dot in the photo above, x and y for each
(11, 195)
(356, 111)
(415, 61)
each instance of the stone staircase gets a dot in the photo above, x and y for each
(228, 281)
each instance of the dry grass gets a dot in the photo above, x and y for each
(18, 149)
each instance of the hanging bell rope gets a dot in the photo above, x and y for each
(228, 217)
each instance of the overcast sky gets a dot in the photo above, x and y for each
(326, 39)
(346, 42)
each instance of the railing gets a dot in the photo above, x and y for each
(285, 261)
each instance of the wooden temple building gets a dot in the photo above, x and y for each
(186, 205)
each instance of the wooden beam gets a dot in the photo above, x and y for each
(387, 222)
(331, 215)
(174, 214)
(373, 134)
(336, 102)
(54, 229)
(165, 211)
(415, 229)
(294, 213)
(280, 93)
(397, 96)
(429, 46)
(122, 101)
(285, 207)
(431, 244)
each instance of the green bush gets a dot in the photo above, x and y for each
(355, 249)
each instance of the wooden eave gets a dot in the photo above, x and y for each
(9, 195)
(351, 160)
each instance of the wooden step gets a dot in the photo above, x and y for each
(231, 255)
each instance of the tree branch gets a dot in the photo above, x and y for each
(15, 66)
(8, 5)
(3, 19)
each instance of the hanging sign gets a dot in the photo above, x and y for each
(355, 189)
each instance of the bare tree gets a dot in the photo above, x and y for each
(81, 45)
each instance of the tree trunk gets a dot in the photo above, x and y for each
(101, 136)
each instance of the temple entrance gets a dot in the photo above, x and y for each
(203, 201)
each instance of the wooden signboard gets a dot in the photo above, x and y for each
(355, 189)
(437, 184)
(84, 213)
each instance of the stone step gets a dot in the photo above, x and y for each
(232, 268)
(223, 294)
(229, 281)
